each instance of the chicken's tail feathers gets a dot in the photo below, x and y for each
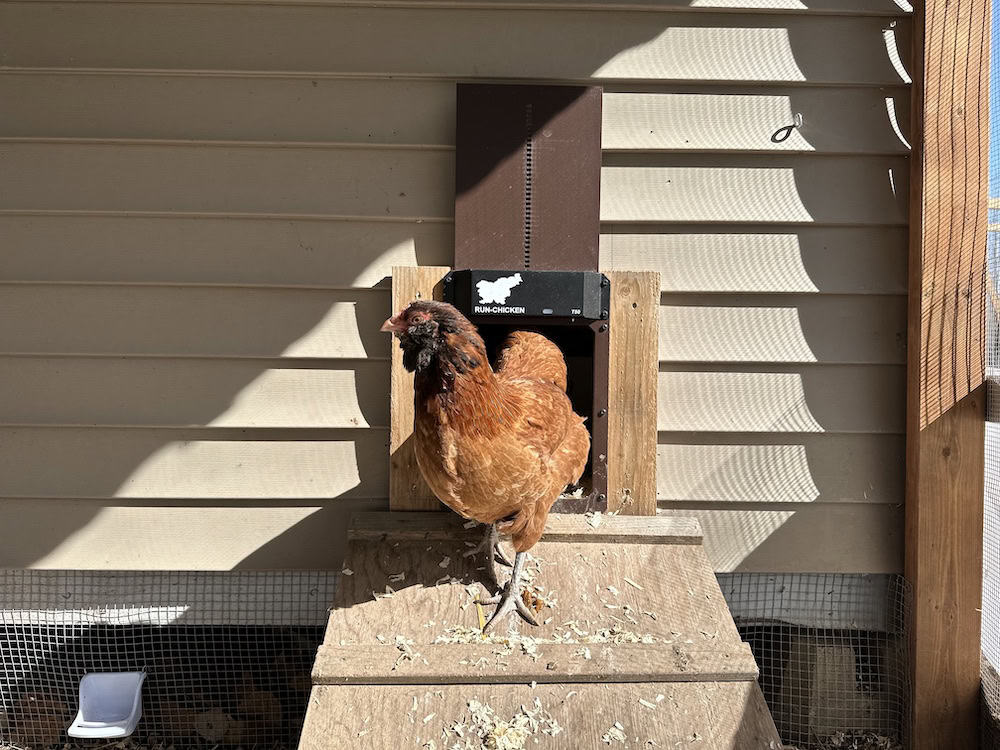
(530, 355)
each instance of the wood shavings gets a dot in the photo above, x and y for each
(397, 577)
(593, 519)
(483, 728)
(445, 562)
(428, 717)
(858, 741)
(616, 733)
(584, 652)
(346, 572)
(613, 590)
(389, 593)
(660, 697)
(472, 596)
(647, 704)
(406, 652)
(470, 524)
(633, 584)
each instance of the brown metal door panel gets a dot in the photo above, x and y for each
(528, 169)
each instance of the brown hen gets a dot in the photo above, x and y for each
(497, 447)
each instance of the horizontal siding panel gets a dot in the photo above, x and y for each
(834, 260)
(180, 250)
(834, 121)
(192, 392)
(848, 538)
(246, 108)
(95, 534)
(881, 8)
(812, 399)
(449, 42)
(224, 179)
(782, 469)
(299, 323)
(91, 534)
(228, 108)
(107, 535)
(213, 322)
(137, 463)
(831, 260)
(784, 189)
(864, 329)
(395, 183)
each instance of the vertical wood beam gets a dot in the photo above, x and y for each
(632, 391)
(407, 488)
(946, 368)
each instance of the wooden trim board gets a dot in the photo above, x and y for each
(632, 388)
(407, 488)
(559, 527)
(477, 664)
(945, 369)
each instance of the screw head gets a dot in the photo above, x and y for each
(602, 413)
(605, 282)
(604, 314)
(602, 497)
(603, 327)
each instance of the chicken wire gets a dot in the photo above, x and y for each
(991, 507)
(227, 655)
(831, 649)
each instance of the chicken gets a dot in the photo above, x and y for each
(496, 447)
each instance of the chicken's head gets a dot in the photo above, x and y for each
(429, 330)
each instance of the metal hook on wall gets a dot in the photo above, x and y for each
(782, 134)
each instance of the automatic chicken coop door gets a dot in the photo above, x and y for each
(571, 308)
(629, 611)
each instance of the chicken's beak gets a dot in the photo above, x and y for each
(393, 325)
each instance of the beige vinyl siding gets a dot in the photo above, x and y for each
(201, 203)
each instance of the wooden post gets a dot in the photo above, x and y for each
(946, 370)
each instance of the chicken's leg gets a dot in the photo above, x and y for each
(494, 554)
(510, 600)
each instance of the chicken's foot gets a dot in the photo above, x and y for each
(494, 553)
(510, 600)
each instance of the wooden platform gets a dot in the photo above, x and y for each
(637, 648)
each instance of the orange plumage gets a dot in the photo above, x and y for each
(498, 447)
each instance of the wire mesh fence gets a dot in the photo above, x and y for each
(831, 649)
(991, 508)
(227, 655)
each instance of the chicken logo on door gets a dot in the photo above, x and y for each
(494, 294)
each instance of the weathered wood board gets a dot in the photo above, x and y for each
(712, 716)
(630, 603)
(407, 488)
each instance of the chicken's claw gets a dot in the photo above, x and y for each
(510, 600)
(494, 553)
